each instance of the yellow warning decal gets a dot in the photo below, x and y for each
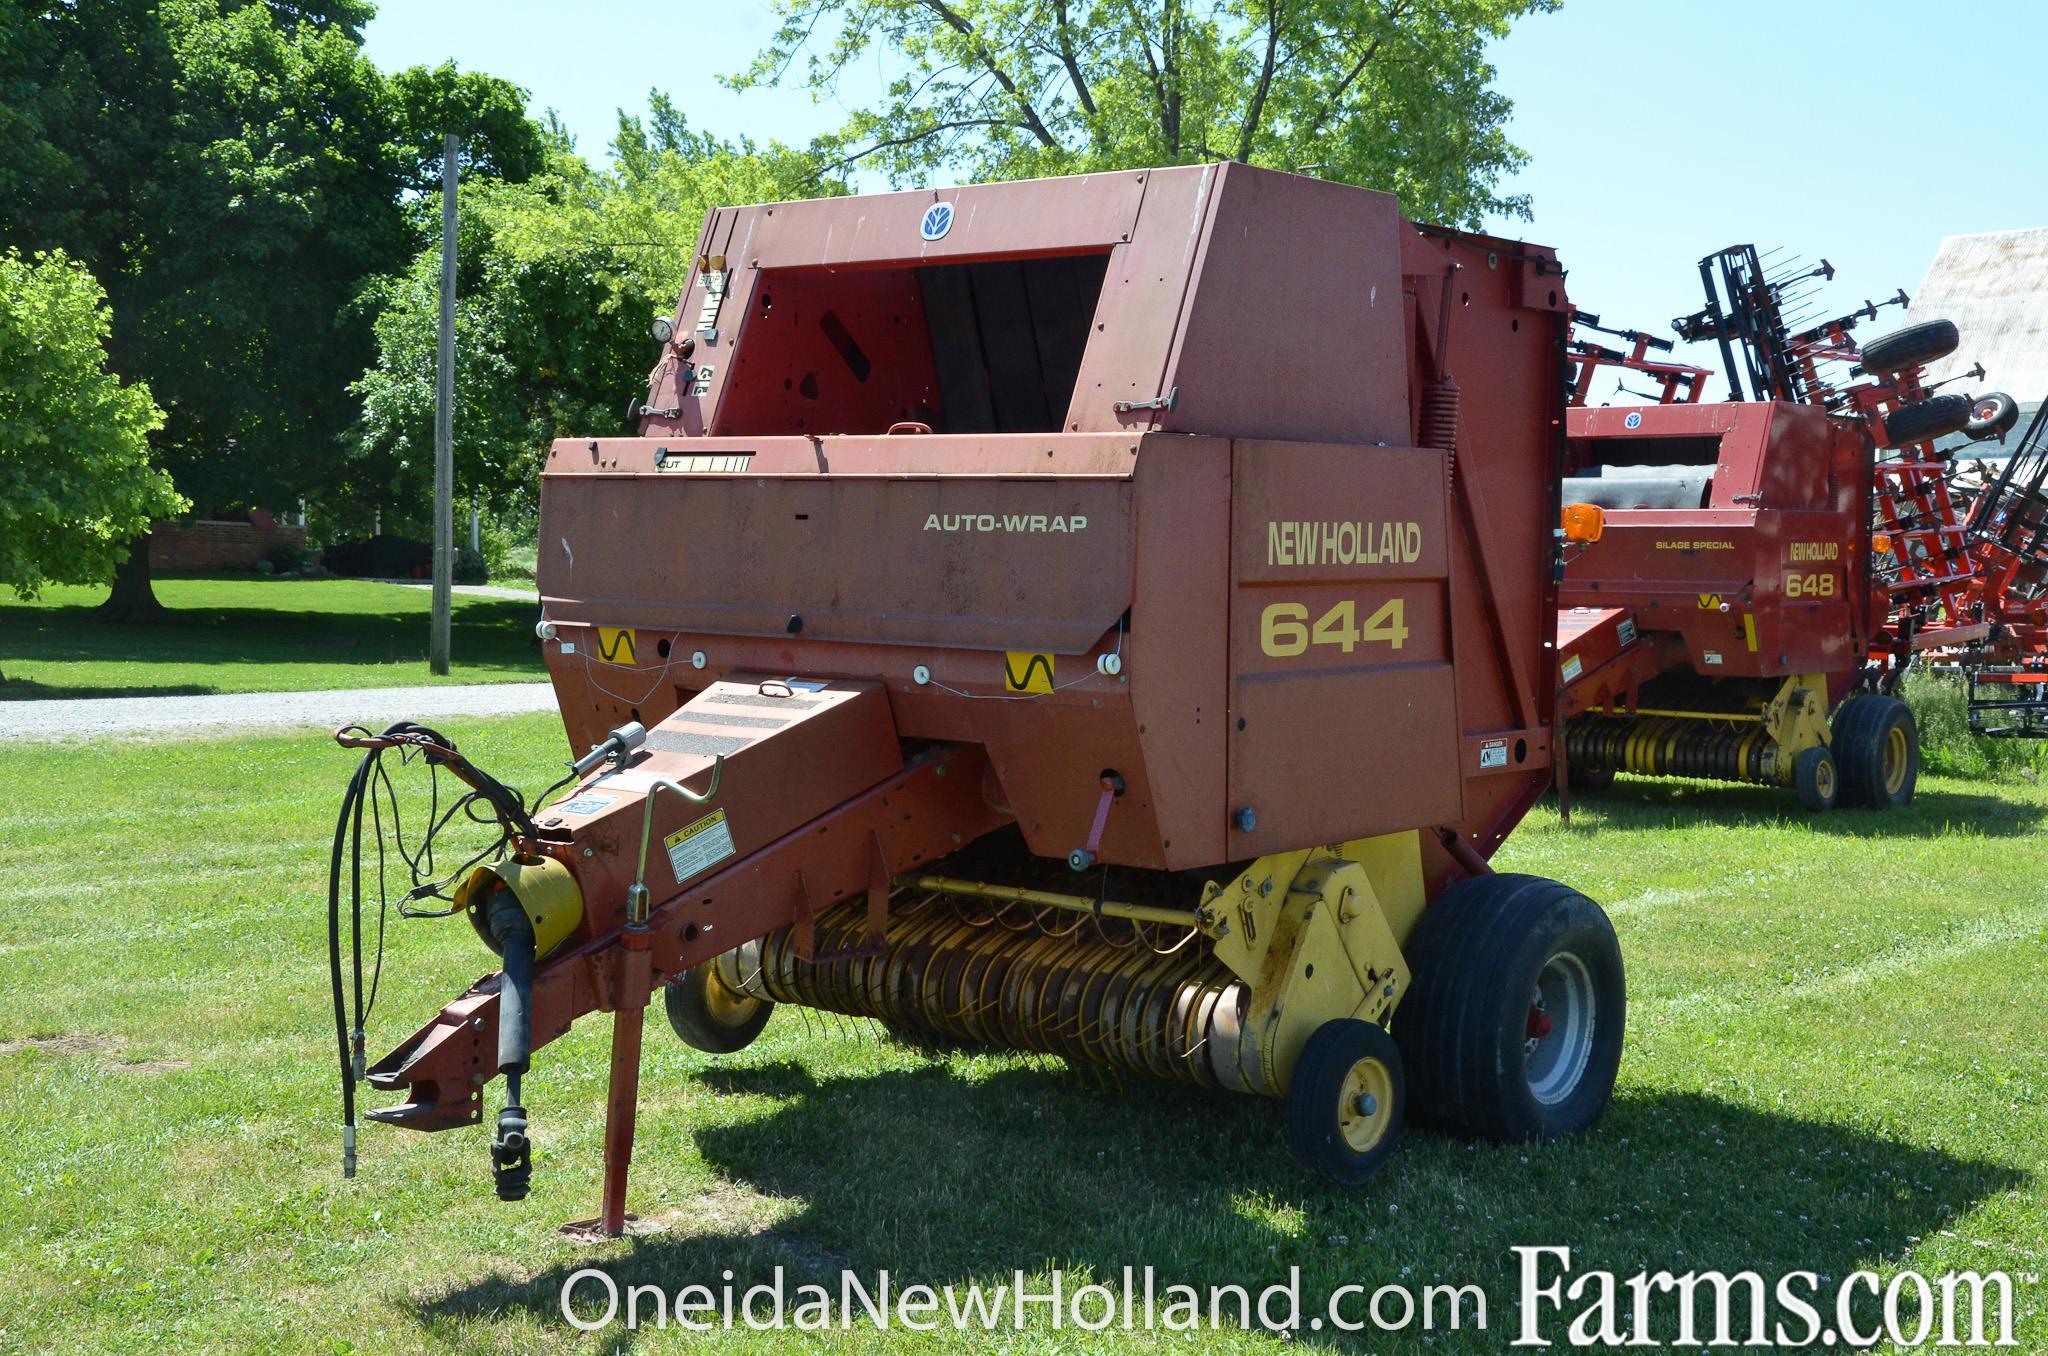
(1710, 602)
(696, 848)
(1749, 630)
(1027, 671)
(615, 645)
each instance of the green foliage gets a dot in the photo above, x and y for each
(74, 441)
(1393, 94)
(232, 172)
(634, 224)
(498, 140)
(557, 280)
(289, 557)
(508, 538)
(1941, 710)
(471, 567)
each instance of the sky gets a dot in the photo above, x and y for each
(1658, 131)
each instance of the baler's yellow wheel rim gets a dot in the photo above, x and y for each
(1369, 1084)
(725, 1006)
(1896, 756)
(1824, 778)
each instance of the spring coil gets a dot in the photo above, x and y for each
(1665, 746)
(1075, 993)
(1440, 415)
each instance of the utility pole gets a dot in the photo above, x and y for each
(444, 420)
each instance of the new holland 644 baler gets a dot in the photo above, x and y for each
(1198, 523)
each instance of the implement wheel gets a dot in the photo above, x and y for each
(1924, 420)
(1512, 1026)
(1579, 777)
(1877, 750)
(1346, 1100)
(1912, 346)
(1992, 415)
(1816, 779)
(709, 1015)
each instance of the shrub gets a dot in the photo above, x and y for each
(471, 567)
(509, 531)
(1941, 708)
(286, 558)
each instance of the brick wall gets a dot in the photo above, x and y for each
(206, 545)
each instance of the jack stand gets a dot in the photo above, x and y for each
(636, 968)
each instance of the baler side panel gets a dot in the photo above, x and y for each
(1142, 301)
(694, 399)
(666, 389)
(1294, 316)
(1805, 615)
(1505, 354)
(1340, 645)
(1180, 616)
(969, 561)
(1796, 465)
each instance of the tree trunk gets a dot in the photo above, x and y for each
(133, 600)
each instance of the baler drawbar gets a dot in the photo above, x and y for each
(1109, 617)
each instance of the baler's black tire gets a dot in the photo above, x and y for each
(1935, 417)
(709, 1015)
(1992, 415)
(1817, 779)
(1913, 346)
(1478, 1063)
(1579, 777)
(1345, 1100)
(1877, 751)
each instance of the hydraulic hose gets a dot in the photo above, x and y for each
(512, 1150)
(505, 920)
(350, 804)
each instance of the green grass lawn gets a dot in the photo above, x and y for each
(1834, 1061)
(249, 634)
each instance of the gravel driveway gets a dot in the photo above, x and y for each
(375, 707)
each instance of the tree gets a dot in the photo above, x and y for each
(558, 278)
(499, 141)
(74, 441)
(1394, 94)
(233, 172)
